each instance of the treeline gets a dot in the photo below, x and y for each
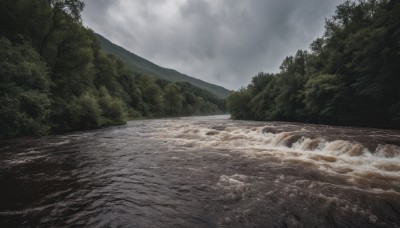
(54, 77)
(351, 75)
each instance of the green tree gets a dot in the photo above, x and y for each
(172, 100)
(112, 109)
(238, 104)
(24, 91)
(152, 96)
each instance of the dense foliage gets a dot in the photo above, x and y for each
(350, 76)
(55, 77)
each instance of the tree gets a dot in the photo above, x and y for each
(238, 104)
(172, 100)
(24, 91)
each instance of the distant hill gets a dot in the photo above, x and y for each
(138, 64)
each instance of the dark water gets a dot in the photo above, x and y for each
(203, 172)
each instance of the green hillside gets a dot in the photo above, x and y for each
(138, 64)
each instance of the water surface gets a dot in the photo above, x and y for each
(203, 172)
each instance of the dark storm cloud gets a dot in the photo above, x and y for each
(220, 41)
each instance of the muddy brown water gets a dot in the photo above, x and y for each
(203, 172)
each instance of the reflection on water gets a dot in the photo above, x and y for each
(203, 172)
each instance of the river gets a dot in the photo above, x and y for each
(203, 172)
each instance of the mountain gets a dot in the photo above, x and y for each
(138, 64)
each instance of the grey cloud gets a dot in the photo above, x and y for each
(220, 41)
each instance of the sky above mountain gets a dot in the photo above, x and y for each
(225, 42)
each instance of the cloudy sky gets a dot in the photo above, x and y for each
(225, 42)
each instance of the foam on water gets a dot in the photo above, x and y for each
(335, 154)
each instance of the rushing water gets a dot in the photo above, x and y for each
(203, 172)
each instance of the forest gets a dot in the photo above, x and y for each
(350, 75)
(55, 77)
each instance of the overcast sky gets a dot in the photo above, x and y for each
(225, 42)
